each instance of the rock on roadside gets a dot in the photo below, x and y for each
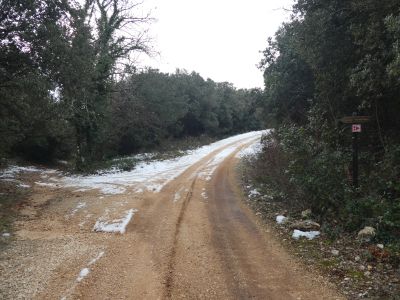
(366, 234)
(305, 225)
(306, 214)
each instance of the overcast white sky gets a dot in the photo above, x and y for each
(220, 39)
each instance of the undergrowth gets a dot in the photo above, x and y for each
(304, 172)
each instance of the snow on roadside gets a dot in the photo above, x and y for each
(281, 219)
(251, 150)
(154, 175)
(23, 185)
(150, 175)
(47, 184)
(12, 171)
(117, 225)
(308, 234)
(254, 193)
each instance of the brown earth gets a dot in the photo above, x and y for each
(205, 245)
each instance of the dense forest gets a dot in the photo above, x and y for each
(70, 89)
(335, 59)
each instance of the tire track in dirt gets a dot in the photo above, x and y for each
(172, 259)
(154, 233)
(204, 164)
(256, 267)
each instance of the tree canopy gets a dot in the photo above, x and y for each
(335, 59)
(70, 89)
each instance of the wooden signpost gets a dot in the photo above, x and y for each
(356, 128)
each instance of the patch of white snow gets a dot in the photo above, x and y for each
(254, 193)
(96, 258)
(118, 225)
(308, 234)
(49, 184)
(281, 219)
(251, 150)
(25, 186)
(78, 207)
(11, 171)
(154, 175)
(83, 273)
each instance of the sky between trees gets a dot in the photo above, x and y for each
(220, 39)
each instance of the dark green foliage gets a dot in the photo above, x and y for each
(68, 91)
(29, 114)
(332, 59)
(150, 108)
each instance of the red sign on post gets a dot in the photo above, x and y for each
(356, 128)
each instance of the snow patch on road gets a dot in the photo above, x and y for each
(139, 191)
(215, 162)
(83, 273)
(118, 225)
(251, 150)
(109, 189)
(177, 195)
(96, 258)
(78, 207)
(81, 190)
(48, 184)
(25, 186)
(154, 175)
(150, 175)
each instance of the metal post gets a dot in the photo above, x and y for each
(355, 159)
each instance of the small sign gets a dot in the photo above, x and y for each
(356, 128)
(355, 119)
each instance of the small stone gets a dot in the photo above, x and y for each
(367, 273)
(366, 234)
(335, 252)
(357, 258)
(362, 268)
(6, 234)
(380, 246)
(305, 225)
(306, 213)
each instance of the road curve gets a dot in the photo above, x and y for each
(193, 240)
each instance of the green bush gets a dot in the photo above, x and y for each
(309, 173)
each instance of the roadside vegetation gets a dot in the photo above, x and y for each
(335, 59)
(70, 89)
(331, 60)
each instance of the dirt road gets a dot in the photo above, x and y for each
(192, 240)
